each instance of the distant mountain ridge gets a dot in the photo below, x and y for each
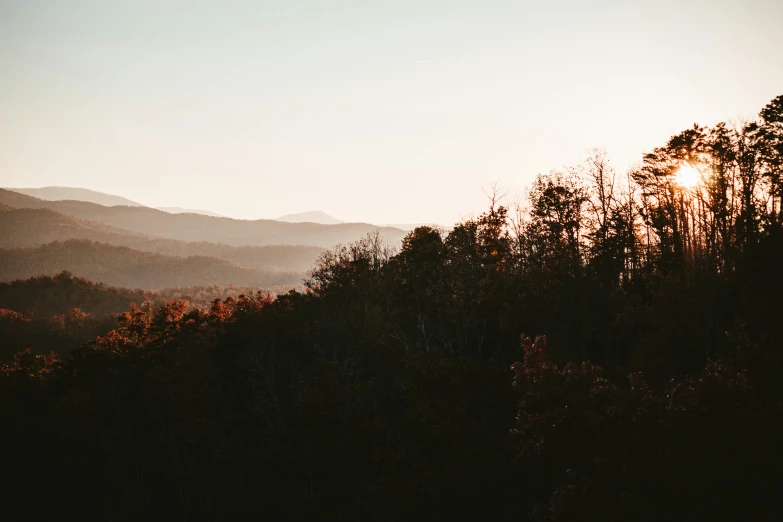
(313, 216)
(180, 210)
(318, 216)
(99, 198)
(77, 194)
(109, 200)
(194, 227)
(26, 227)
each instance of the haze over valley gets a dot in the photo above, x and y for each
(265, 253)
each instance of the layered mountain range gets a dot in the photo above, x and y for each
(120, 242)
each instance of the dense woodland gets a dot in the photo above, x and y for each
(609, 350)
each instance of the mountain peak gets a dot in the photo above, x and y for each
(313, 216)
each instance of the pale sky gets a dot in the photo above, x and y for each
(384, 112)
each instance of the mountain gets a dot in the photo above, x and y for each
(194, 227)
(180, 210)
(100, 198)
(27, 227)
(315, 216)
(122, 266)
(76, 194)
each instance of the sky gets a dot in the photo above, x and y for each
(384, 112)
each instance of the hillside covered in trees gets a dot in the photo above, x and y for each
(122, 266)
(64, 311)
(610, 350)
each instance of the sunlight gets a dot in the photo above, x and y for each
(687, 176)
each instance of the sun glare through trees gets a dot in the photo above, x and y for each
(391, 261)
(687, 176)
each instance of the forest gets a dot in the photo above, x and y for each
(607, 349)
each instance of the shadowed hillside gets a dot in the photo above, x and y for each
(193, 227)
(179, 210)
(27, 227)
(122, 266)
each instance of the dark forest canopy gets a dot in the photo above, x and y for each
(400, 386)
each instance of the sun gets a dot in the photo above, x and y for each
(687, 176)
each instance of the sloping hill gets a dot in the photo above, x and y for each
(193, 227)
(122, 266)
(28, 227)
(180, 210)
(34, 227)
(77, 194)
(13, 199)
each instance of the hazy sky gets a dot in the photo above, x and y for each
(394, 111)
